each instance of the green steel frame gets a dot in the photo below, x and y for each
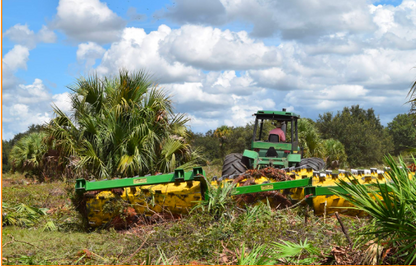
(198, 174)
(179, 175)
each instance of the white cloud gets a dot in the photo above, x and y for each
(214, 49)
(46, 35)
(137, 50)
(219, 99)
(63, 102)
(16, 58)
(324, 55)
(18, 110)
(34, 93)
(175, 55)
(21, 34)
(30, 104)
(88, 20)
(88, 53)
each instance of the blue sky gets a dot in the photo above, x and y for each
(221, 59)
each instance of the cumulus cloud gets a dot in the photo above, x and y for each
(89, 52)
(137, 50)
(21, 34)
(88, 20)
(213, 49)
(297, 19)
(342, 67)
(326, 55)
(30, 104)
(177, 55)
(15, 59)
(220, 99)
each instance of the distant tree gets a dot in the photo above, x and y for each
(27, 154)
(222, 133)
(237, 139)
(403, 131)
(7, 145)
(310, 138)
(335, 152)
(240, 139)
(360, 131)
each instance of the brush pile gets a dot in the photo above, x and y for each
(276, 199)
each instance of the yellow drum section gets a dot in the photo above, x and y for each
(146, 200)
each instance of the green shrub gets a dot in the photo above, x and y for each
(391, 205)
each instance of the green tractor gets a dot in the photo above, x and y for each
(269, 150)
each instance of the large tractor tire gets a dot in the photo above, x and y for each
(316, 164)
(233, 164)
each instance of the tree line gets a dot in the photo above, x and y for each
(354, 137)
(125, 125)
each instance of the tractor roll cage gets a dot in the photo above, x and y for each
(280, 116)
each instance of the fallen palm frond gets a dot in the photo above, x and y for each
(257, 256)
(21, 214)
(293, 253)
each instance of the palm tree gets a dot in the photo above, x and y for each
(27, 154)
(122, 126)
(222, 133)
(335, 151)
(310, 139)
(412, 97)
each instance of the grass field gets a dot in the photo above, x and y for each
(253, 236)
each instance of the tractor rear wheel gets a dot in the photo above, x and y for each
(316, 164)
(233, 164)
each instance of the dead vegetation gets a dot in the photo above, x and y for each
(257, 234)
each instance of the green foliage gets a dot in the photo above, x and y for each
(257, 256)
(8, 144)
(259, 211)
(214, 148)
(27, 153)
(310, 139)
(222, 134)
(122, 126)
(412, 97)
(198, 237)
(6, 148)
(292, 252)
(391, 205)
(361, 133)
(403, 131)
(21, 214)
(217, 199)
(334, 151)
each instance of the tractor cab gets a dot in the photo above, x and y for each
(279, 150)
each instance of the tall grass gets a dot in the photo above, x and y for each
(391, 205)
(217, 199)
